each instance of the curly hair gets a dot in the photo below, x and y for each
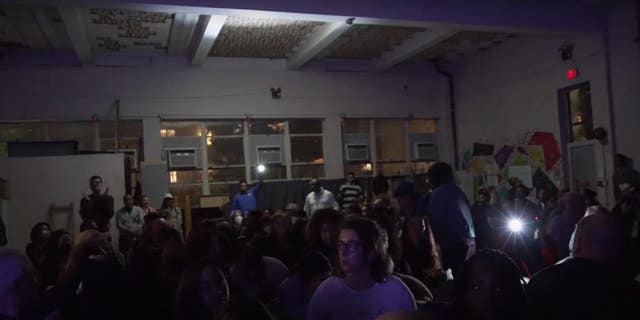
(320, 217)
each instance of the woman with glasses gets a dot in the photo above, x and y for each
(366, 289)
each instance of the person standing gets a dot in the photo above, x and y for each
(171, 214)
(450, 217)
(319, 198)
(96, 209)
(129, 221)
(350, 194)
(146, 206)
(245, 199)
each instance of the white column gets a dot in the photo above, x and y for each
(247, 152)
(333, 149)
(152, 140)
(205, 160)
(373, 148)
(287, 149)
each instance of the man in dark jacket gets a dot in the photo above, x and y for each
(96, 209)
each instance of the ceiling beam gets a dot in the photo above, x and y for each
(411, 47)
(47, 28)
(318, 42)
(206, 37)
(73, 20)
(23, 20)
(181, 32)
(542, 16)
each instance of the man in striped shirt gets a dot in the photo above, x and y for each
(350, 193)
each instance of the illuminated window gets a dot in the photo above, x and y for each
(173, 176)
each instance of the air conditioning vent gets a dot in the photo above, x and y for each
(357, 152)
(425, 151)
(183, 158)
(269, 155)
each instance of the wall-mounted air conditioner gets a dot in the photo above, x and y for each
(269, 154)
(182, 158)
(357, 152)
(425, 151)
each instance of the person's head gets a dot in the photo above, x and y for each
(598, 237)
(313, 268)
(128, 201)
(236, 218)
(522, 191)
(405, 196)
(146, 202)
(621, 161)
(484, 196)
(323, 227)
(59, 240)
(351, 178)
(154, 226)
(167, 201)
(280, 225)
(203, 292)
(40, 233)
(16, 284)
(574, 205)
(489, 287)
(361, 249)
(243, 186)
(591, 196)
(439, 174)
(315, 185)
(95, 183)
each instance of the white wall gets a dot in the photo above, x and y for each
(37, 182)
(513, 88)
(625, 77)
(230, 88)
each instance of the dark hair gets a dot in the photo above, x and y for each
(440, 173)
(189, 304)
(514, 302)
(95, 177)
(35, 230)
(351, 173)
(250, 261)
(242, 181)
(427, 249)
(124, 198)
(381, 266)
(320, 217)
(311, 265)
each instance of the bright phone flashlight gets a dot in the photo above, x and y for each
(261, 168)
(515, 225)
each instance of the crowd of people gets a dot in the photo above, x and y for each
(403, 256)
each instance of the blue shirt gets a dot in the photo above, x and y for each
(246, 201)
(450, 216)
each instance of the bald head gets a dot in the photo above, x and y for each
(598, 237)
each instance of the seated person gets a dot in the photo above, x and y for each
(366, 289)
(592, 284)
(296, 291)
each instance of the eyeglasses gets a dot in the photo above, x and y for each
(349, 247)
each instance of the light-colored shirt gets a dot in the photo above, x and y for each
(335, 300)
(321, 200)
(173, 218)
(130, 221)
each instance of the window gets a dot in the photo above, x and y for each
(580, 113)
(307, 149)
(401, 146)
(289, 149)
(225, 151)
(180, 129)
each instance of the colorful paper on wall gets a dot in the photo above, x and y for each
(523, 173)
(550, 147)
(520, 160)
(478, 164)
(536, 154)
(503, 156)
